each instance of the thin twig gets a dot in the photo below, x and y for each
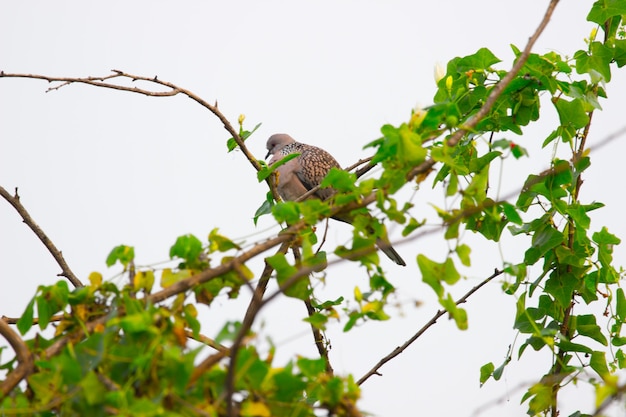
(397, 351)
(173, 90)
(56, 254)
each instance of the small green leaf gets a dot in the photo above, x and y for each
(463, 251)
(598, 364)
(485, 372)
(596, 63)
(265, 208)
(318, 320)
(288, 212)
(122, 253)
(544, 239)
(25, 321)
(168, 277)
(573, 347)
(266, 172)
(187, 247)
(511, 213)
(561, 287)
(620, 307)
(572, 113)
(228, 332)
(477, 164)
(482, 59)
(285, 275)
(311, 368)
(218, 242)
(340, 180)
(586, 325)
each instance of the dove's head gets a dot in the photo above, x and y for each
(277, 142)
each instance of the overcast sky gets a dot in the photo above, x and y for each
(97, 168)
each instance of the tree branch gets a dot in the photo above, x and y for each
(173, 89)
(24, 358)
(495, 93)
(56, 254)
(397, 351)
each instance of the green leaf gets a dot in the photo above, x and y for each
(511, 213)
(218, 242)
(573, 347)
(245, 134)
(578, 213)
(561, 287)
(463, 251)
(482, 59)
(603, 10)
(485, 372)
(285, 273)
(265, 172)
(168, 277)
(620, 52)
(596, 63)
(410, 147)
(228, 332)
(433, 273)
(604, 237)
(318, 320)
(598, 364)
(25, 321)
(540, 398)
(340, 180)
(477, 164)
(122, 253)
(620, 305)
(231, 144)
(544, 239)
(311, 368)
(265, 208)
(187, 247)
(136, 323)
(586, 325)
(288, 212)
(53, 299)
(251, 367)
(572, 113)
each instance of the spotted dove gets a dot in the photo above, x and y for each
(307, 171)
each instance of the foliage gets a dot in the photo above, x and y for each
(123, 350)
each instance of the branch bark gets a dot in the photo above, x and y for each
(56, 253)
(398, 350)
(24, 358)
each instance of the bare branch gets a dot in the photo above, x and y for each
(24, 357)
(397, 351)
(172, 90)
(56, 254)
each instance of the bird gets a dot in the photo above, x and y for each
(305, 172)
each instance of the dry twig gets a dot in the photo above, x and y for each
(56, 254)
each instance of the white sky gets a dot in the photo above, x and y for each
(97, 168)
